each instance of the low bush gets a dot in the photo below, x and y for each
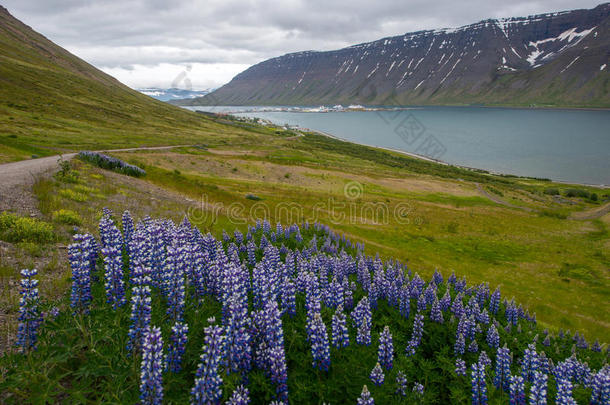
(577, 192)
(551, 191)
(73, 195)
(67, 217)
(111, 163)
(14, 228)
(253, 197)
(553, 214)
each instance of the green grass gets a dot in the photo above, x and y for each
(51, 101)
(15, 228)
(67, 217)
(523, 252)
(84, 358)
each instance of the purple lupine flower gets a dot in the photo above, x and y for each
(484, 358)
(494, 301)
(361, 317)
(418, 389)
(460, 367)
(115, 288)
(174, 282)
(29, 313)
(239, 350)
(177, 346)
(479, 388)
(140, 317)
(404, 304)
(460, 344)
(151, 378)
(279, 373)
(377, 376)
(401, 384)
(422, 304)
(473, 347)
(517, 390)
(418, 330)
(348, 294)
(512, 313)
(437, 278)
(564, 392)
(80, 254)
(600, 384)
(365, 397)
(385, 354)
(270, 350)
(538, 389)
(457, 307)
(435, 314)
(128, 230)
(208, 382)
(529, 363)
(493, 338)
(596, 346)
(502, 375)
(289, 298)
(319, 343)
(483, 317)
(241, 396)
(251, 253)
(340, 334)
(54, 312)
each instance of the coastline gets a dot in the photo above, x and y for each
(428, 159)
(438, 161)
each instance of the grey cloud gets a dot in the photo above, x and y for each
(116, 33)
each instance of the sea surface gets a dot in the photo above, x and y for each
(562, 145)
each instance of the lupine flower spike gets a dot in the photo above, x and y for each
(29, 313)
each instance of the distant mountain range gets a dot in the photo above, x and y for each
(556, 59)
(172, 93)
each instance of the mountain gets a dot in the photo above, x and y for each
(50, 100)
(172, 93)
(556, 59)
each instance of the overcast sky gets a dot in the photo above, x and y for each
(149, 43)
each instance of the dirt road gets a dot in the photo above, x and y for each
(17, 178)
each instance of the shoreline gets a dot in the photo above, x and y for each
(428, 159)
(407, 107)
(432, 160)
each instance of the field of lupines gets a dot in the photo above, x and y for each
(160, 313)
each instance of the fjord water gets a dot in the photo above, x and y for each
(564, 145)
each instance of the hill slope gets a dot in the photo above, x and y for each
(51, 100)
(552, 59)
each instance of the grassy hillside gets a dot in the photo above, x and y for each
(438, 216)
(51, 101)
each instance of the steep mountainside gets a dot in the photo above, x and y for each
(549, 59)
(51, 100)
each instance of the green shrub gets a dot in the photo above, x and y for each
(68, 217)
(553, 214)
(551, 191)
(593, 197)
(577, 192)
(253, 197)
(73, 195)
(66, 173)
(14, 228)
